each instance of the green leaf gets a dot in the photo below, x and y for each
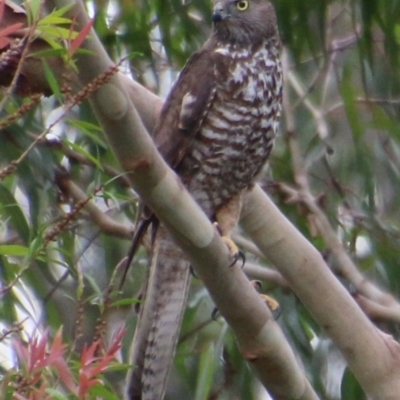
(52, 19)
(134, 54)
(126, 302)
(90, 130)
(397, 33)
(53, 52)
(205, 376)
(34, 10)
(10, 210)
(13, 250)
(53, 43)
(7, 389)
(57, 32)
(79, 149)
(101, 392)
(350, 104)
(96, 298)
(35, 246)
(118, 367)
(56, 395)
(52, 81)
(66, 247)
(8, 272)
(350, 388)
(62, 10)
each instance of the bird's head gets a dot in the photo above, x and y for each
(244, 21)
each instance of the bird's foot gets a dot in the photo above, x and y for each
(271, 303)
(235, 252)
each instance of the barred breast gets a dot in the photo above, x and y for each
(237, 134)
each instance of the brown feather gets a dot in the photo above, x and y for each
(175, 130)
(216, 131)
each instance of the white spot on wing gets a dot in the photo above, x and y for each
(188, 100)
(186, 107)
(222, 50)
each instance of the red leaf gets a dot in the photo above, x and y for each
(2, 6)
(38, 353)
(22, 351)
(82, 35)
(10, 29)
(116, 341)
(66, 376)
(87, 356)
(4, 42)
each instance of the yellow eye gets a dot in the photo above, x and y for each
(242, 5)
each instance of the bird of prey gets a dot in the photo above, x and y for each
(216, 130)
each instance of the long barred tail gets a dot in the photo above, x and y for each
(158, 328)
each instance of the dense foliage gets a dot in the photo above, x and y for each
(67, 212)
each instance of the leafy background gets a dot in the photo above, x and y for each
(339, 130)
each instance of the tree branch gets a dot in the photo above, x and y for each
(373, 356)
(259, 337)
(105, 223)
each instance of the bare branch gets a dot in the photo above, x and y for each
(255, 271)
(348, 268)
(106, 224)
(372, 356)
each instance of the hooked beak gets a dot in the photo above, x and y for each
(219, 13)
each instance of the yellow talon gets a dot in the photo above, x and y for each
(233, 249)
(271, 303)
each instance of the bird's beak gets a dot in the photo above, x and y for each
(219, 13)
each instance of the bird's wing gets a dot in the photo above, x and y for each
(161, 314)
(181, 118)
(186, 107)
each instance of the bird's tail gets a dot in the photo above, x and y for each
(160, 319)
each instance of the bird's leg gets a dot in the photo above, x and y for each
(233, 249)
(227, 217)
(269, 301)
(272, 304)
